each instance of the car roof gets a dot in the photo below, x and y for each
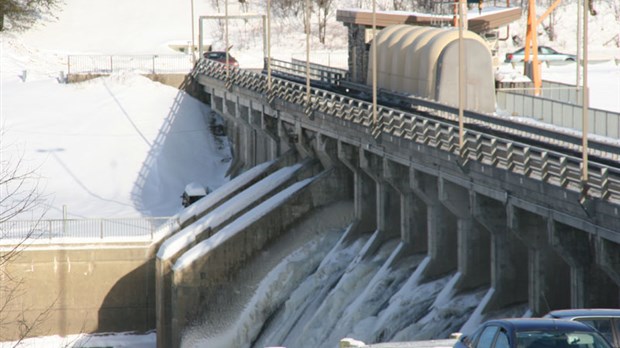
(528, 324)
(218, 54)
(584, 312)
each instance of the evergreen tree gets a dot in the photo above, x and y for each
(22, 14)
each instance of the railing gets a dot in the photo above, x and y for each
(536, 162)
(146, 64)
(75, 229)
(600, 122)
(297, 69)
(334, 59)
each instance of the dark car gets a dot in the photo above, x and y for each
(220, 56)
(533, 333)
(545, 53)
(606, 321)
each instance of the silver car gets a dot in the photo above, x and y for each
(606, 321)
(544, 54)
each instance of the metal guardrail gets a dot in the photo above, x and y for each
(297, 70)
(330, 59)
(601, 122)
(147, 64)
(11, 231)
(535, 162)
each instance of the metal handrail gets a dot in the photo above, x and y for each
(144, 63)
(73, 229)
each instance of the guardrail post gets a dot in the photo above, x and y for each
(605, 183)
(527, 161)
(544, 166)
(64, 220)
(510, 162)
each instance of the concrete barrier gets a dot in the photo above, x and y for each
(71, 289)
(173, 80)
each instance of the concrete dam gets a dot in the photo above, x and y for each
(335, 225)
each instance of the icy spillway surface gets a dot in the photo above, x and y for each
(268, 280)
(323, 306)
(384, 284)
(443, 319)
(288, 323)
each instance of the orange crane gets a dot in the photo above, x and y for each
(532, 69)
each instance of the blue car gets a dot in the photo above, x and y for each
(605, 320)
(533, 333)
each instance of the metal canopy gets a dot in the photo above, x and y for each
(490, 18)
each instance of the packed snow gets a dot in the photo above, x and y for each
(125, 146)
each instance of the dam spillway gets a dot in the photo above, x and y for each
(491, 236)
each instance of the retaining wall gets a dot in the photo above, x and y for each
(71, 289)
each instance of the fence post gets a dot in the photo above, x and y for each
(111, 65)
(154, 56)
(68, 65)
(49, 228)
(101, 229)
(64, 220)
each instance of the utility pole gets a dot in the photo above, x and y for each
(585, 99)
(462, 24)
(532, 68)
(374, 63)
(308, 53)
(269, 46)
(192, 50)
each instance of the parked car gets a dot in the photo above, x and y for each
(220, 56)
(544, 54)
(533, 333)
(606, 321)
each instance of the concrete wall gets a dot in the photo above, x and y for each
(173, 80)
(79, 288)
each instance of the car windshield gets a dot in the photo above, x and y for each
(602, 325)
(574, 339)
(216, 55)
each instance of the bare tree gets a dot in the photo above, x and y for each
(399, 5)
(286, 8)
(19, 195)
(22, 14)
(244, 5)
(324, 13)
